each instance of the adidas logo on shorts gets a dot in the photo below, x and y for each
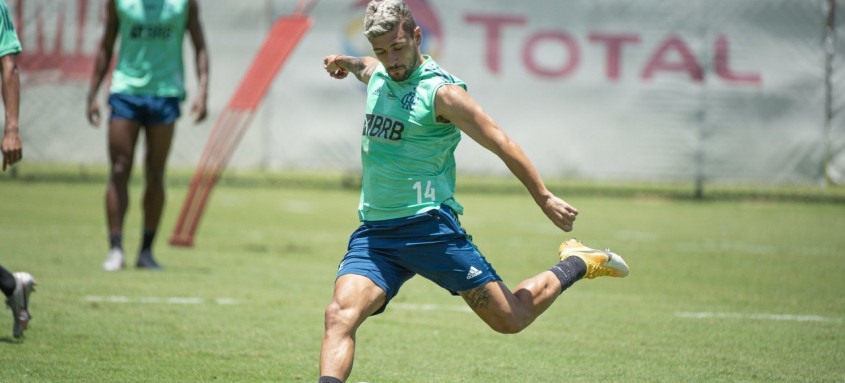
(473, 272)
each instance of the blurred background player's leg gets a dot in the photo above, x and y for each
(17, 287)
(123, 134)
(158, 139)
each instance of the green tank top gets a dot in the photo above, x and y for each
(9, 43)
(150, 57)
(408, 157)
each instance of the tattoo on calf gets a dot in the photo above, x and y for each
(478, 298)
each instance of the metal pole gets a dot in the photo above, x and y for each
(701, 114)
(829, 45)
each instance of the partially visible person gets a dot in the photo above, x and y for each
(10, 46)
(17, 287)
(147, 88)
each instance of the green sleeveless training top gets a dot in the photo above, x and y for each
(150, 57)
(408, 157)
(9, 43)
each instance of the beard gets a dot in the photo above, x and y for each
(398, 72)
(401, 72)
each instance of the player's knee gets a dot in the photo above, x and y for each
(508, 327)
(332, 313)
(508, 323)
(340, 318)
(155, 178)
(120, 171)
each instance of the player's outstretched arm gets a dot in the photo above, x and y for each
(454, 104)
(199, 108)
(340, 66)
(102, 62)
(12, 147)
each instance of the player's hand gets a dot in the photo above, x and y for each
(330, 65)
(93, 114)
(561, 213)
(199, 110)
(12, 148)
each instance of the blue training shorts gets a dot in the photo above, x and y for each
(148, 110)
(432, 244)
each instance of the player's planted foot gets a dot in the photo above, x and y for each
(599, 262)
(18, 302)
(146, 261)
(115, 260)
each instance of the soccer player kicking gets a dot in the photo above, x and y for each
(15, 286)
(415, 113)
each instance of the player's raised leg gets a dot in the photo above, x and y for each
(355, 298)
(511, 312)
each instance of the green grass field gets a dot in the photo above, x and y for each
(719, 291)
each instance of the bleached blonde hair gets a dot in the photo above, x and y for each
(385, 15)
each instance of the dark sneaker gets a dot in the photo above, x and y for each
(146, 261)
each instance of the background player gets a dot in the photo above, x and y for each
(146, 89)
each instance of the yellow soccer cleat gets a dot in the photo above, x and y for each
(599, 263)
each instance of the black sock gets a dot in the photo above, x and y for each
(329, 379)
(7, 281)
(116, 241)
(149, 236)
(569, 271)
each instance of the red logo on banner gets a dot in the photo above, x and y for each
(672, 55)
(59, 38)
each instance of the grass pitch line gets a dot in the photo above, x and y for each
(429, 307)
(778, 317)
(159, 300)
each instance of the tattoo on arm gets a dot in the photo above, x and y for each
(356, 66)
(361, 67)
(477, 298)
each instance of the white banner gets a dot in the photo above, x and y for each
(722, 90)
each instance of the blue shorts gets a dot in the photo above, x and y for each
(148, 110)
(432, 244)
